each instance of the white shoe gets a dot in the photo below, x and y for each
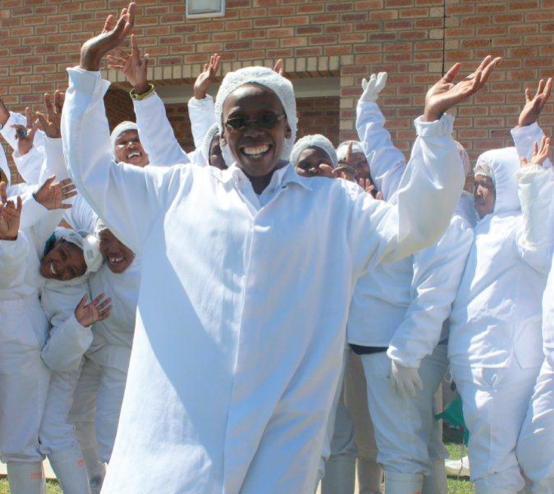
(457, 468)
(26, 478)
(403, 483)
(96, 470)
(340, 475)
(435, 483)
(370, 476)
(69, 467)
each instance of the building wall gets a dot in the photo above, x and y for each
(413, 40)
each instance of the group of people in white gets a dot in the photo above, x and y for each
(290, 306)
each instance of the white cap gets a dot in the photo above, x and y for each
(314, 141)
(207, 144)
(120, 128)
(343, 147)
(88, 243)
(266, 77)
(464, 157)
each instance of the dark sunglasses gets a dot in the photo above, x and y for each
(263, 120)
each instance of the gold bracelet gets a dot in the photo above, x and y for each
(142, 96)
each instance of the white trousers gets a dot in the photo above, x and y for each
(57, 431)
(495, 401)
(535, 447)
(97, 405)
(23, 379)
(404, 426)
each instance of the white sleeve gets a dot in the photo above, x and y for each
(8, 133)
(81, 216)
(129, 199)
(32, 212)
(438, 271)
(427, 197)
(386, 163)
(29, 165)
(156, 134)
(197, 157)
(525, 137)
(202, 117)
(548, 316)
(13, 256)
(66, 344)
(534, 241)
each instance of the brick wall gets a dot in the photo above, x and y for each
(414, 40)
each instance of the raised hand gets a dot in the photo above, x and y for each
(113, 34)
(445, 94)
(10, 214)
(207, 77)
(25, 134)
(373, 87)
(534, 105)
(51, 124)
(98, 310)
(539, 154)
(134, 66)
(51, 195)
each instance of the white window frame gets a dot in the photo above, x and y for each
(189, 3)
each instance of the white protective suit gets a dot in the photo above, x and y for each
(402, 307)
(495, 332)
(157, 136)
(23, 330)
(240, 335)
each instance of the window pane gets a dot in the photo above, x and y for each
(203, 6)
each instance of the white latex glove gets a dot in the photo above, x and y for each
(373, 87)
(404, 380)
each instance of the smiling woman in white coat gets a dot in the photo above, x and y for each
(240, 332)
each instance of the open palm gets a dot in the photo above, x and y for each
(10, 214)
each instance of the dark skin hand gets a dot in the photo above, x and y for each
(314, 162)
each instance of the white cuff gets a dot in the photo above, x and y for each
(442, 127)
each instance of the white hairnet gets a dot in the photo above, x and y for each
(86, 242)
(484, 169)
(464, 157)
(120, 128)
(4, 166)
(270, 79)
(99, 227)
(207, 144)
(314, 141)
(343, 147)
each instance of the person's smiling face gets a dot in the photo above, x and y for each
(255, 129)
(484, 194)
(63, 262)
(117, 255)
(128, 149)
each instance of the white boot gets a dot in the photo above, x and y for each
(26, 478)
(96, 470)
(480, 488)
(457, 468)
(370, 476)
(340, 475)
(69, 467)
(403, 483)
(436, 483)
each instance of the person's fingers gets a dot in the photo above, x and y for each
(540, 88)
(104, 304)
(104, 314)
(65, 206)
(29, 117)
(3, 192)
(488, 70)
(69, 195)
(57, 101)
(217, 63)
(452, 73)
(535, 148)
(524, 161)
(370, 189)
(19, 204)
(117, 60)
(42, 120)
(475, 83)
(134, 47)
(83, 302)
(65, 181)
(49, 105)
(527, 95)
(48, 181)
(546, 93)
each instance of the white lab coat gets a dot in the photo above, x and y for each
(495, 340)
(240, 334)
(63, 353)
(23, 330)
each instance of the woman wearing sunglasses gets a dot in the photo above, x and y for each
(247, 278)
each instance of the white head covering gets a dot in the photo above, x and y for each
(119, 129)
(343, 147)
(464, 157)
(261, 76)
(314, 141)
(501, 166)
(88, 243)
(207, 144)
(4, 166)
(99, 227)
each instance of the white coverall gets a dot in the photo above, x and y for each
(157, 136)
(23, 330)
(240, 334)
(495, 345)
(403, 307)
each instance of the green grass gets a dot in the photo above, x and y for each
(51, 487)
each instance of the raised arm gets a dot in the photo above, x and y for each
(129, 199)
(535, 189)
(386, 163)
(156, 134)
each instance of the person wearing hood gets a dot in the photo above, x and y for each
(70, 257)
(23, 376)
(229, 321)
(154, 127)
(495, 345)
(351, 153)
(397, 318)
(314, 156)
